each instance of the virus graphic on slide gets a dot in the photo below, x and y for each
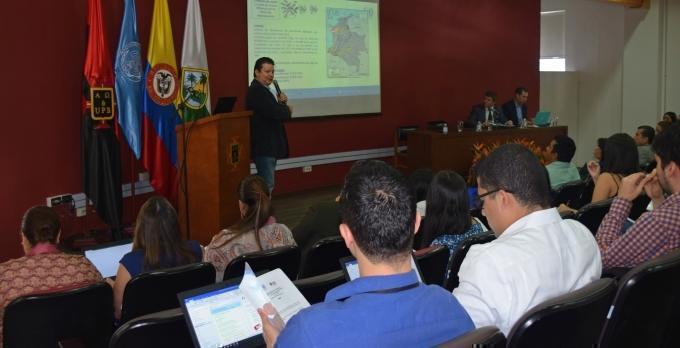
(290, 8)
(313, 9)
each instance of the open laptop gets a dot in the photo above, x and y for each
(105, 257)
(224, 104)
(542, 119)
(350, 266)
(219, 315)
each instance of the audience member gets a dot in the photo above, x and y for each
(486, 113)
(560, 151)
(43, 268)
(654, 233)
(661, 126)
(157, 244)
(643, 139)
(387, 306)
(449, 221)
(419, 182)
(515, 110)
(256, 230)
(537, 254)
(670, 116)
(597, 155)
(620, 158)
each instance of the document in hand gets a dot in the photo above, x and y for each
(222, 314)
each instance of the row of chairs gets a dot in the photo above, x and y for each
(642, 311)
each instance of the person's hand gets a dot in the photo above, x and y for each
(632, 185)
(653, 189)
(509, 123)
(272, 324)
(563, 208)
(283, 98)
(593, 169)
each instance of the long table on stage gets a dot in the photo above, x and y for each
(454, 151)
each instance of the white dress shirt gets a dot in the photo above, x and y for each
(538, 257)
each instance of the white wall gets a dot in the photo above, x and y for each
(628, 64)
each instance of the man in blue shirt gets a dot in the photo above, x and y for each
(559, 152)
(386, 306)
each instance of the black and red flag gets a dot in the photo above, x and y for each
(100, 149)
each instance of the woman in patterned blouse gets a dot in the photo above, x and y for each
(256, 230)
(44, 268)
(448, 221)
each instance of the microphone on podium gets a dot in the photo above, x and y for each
(278, 89)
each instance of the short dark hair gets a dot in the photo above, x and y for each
(647, 132)
(514, 168)
(448, 209)
(490, 94)
(620, 155)
(520, 90)
(260, 62)
(667, 145)
(672, 115)
(419, 182)
(564, 147)
(40, 224)
(380, 211)
(663, 125)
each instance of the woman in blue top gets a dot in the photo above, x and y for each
(157, 244)
(448, 221)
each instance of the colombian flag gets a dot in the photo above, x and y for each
(159, 152)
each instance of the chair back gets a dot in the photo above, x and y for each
(574, 319)
(314, 289)
(591, 214)
(46, 319)
(324, 256)
(451, 281)
(157, 290)
(484, 337)
(585, 196)
(639, 206)
(646, 309)
(432, 264)
(167, 328)
(567, 192)
(400, 137)
(287, 258)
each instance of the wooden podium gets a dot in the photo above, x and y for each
(217, 158)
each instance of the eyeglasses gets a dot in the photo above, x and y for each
(480, 201)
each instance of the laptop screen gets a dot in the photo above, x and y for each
(351, 267)
(219, 315)
(106, 258)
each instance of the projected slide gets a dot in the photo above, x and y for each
(327, 53)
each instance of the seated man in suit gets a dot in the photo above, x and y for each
(387, 306)
(654, 233)
(536, 256)
(515, 110)
(486, 112)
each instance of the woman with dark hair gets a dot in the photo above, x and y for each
(256, 230)
(620, 160)
(43, 268)
(448, 219)
(662, 125)
(670, 116)
(157, 244)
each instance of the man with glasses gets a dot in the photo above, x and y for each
(536, 256)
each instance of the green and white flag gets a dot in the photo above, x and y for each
(195, 92)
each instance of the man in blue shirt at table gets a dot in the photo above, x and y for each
(386, 306)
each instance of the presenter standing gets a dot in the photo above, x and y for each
(268, 140)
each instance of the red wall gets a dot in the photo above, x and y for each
(438, 57)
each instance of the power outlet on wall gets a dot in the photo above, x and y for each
(306, 169)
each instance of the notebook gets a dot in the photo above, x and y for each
(105, 257)
(542, 118)
(220, 315)
(224, 104)
(350, 266)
